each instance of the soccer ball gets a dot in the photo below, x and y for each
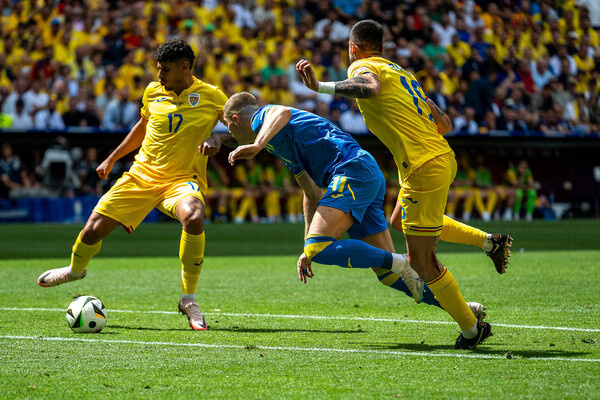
(86, 314)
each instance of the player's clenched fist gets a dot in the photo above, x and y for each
(210, 147)
(104, 169)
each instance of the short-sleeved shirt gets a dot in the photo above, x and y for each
(13, 168)
(334, 160)
(177, 125)
(399, 115)
(311, 144)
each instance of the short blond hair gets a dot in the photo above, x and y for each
(238, 103)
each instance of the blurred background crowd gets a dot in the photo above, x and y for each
(508, 65)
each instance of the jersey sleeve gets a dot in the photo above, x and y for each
(145, 111)
(362, 67)
(220, 99)
(259, 117)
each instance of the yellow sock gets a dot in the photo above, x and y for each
(272, 207)
(191, 254)
(457, 232)
(468, 204)
(244, 207)
(478, 198)
(491, 203)
(294, 204)
(446, 291)
(82, 254)
(451, 207)
(253, 209)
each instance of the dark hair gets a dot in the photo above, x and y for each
(367, 34)
(176, 50)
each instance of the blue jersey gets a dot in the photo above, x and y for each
(311, 144)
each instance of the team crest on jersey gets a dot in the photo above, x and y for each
(194, 99)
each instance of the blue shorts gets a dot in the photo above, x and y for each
(358, 187)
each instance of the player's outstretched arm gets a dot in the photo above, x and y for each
(312, 195)
(443, 122)
(360, 87)
(132, 141)
(275, 119)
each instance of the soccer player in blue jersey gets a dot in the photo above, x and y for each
(321, 156)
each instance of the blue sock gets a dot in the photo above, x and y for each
(349, 253)
(428, 297)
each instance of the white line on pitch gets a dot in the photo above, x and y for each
(284, 348)
(408, 321)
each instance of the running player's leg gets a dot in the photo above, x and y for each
(185, 202)
(87, 244)
(126, 203)
(322, 244)
(383, 240)
(190, 212)
(423, 197)
(496, 245)
(348, 201)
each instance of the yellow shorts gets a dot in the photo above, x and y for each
(132, 198)
(424, 194)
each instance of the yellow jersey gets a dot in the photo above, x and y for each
(177, 125)
(399, 115)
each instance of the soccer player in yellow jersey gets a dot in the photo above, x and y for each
(412, 127)
(178, 115)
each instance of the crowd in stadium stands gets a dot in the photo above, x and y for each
(263, 190)
(516, 65)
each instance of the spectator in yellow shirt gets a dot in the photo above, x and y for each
(459, 51)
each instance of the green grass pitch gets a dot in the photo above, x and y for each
(343, 335)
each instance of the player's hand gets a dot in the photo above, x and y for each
(307, 74)
(304, 268)
(244, 152)
(210, 146)
(104, 169)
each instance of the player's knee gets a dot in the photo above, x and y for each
(193, 221)
(315, 245)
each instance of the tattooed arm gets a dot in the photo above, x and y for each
(360, 87)
(443, 122)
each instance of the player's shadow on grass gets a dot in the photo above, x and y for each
(271, 330)
(145, 328)
(486, 348)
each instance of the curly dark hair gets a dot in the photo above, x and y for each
(175, 50)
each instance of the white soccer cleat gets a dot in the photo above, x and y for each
(58, 276)
(478, 310)
(413, 281)
(190, 309)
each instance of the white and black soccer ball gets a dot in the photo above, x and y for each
(86, 314)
